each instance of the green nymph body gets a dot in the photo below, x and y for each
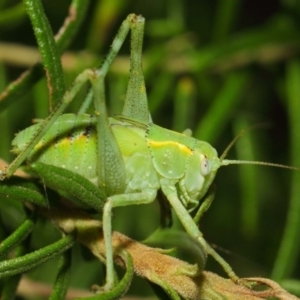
(150, 153)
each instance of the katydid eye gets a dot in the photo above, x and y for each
(205, 166)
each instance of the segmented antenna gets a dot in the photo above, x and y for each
(225, 152)
(226, 162)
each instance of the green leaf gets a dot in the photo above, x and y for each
(20, 189)
(71, 185)
(32, 260)
(10, 285)
(16, 237)
(48, 50)
(60, 287)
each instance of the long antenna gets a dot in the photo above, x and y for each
(226, 162)
(225, 152)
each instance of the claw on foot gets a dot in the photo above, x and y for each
(97, 289)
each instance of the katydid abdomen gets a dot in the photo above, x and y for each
(70, 144)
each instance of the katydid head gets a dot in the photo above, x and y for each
(200, 172)
(202, 168)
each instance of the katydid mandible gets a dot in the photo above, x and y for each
(127, 156)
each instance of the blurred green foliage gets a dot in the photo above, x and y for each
(217, 67)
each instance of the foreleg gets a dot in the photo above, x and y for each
(191, 227)
(116, 201)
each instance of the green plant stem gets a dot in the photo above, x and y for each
(48, 50)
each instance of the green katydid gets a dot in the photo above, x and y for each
(128, 157)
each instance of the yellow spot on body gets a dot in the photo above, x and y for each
(39, 145)
(142, 89)
(66, 141)
(63, 142)
(181, 147)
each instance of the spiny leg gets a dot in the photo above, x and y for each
(191, 228)
(86, 103)
(115, 201)
(69, 96)
(110, 164)
(110, 160)
(136, 102)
